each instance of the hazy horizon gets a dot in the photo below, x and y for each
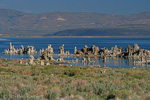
(96, 6)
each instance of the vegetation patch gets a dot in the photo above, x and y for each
(21, 82)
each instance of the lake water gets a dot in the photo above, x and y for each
(70, 43)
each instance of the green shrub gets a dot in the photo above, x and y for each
(99, 89)
(136, 98)
(51, 95)
(110, 97)
(63, 93)
(104, 88)
(88, 88)
(70, 73)
(25, 90)
(147, 98)
(79, 89)
(35, 78)
(5, 94)
(123, 94)
(95, 97)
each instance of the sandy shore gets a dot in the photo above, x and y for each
(3, 39)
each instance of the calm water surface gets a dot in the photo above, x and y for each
(70, 43)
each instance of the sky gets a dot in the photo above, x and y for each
(98, 6)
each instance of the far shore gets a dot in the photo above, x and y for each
(3, 39)
(75, 37)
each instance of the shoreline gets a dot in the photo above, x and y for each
(75, 37)
(3, 39)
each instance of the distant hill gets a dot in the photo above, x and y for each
(118, 31)
(16, 23)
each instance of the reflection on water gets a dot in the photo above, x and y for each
(108, 62)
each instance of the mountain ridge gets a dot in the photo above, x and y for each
(16, 23)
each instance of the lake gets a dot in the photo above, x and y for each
(70, 43)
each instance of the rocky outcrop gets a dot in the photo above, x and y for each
(75, 50)
(46, 54)
(30, 50)
(49, 50)
(21, 61)
(94, 50)
(134, 53)
(11, 50)
(61, 49)
(62, 52)
(22, 50)
(114, 52)
(86, 53)
(31, 60)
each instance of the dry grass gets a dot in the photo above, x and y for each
(76, 83)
